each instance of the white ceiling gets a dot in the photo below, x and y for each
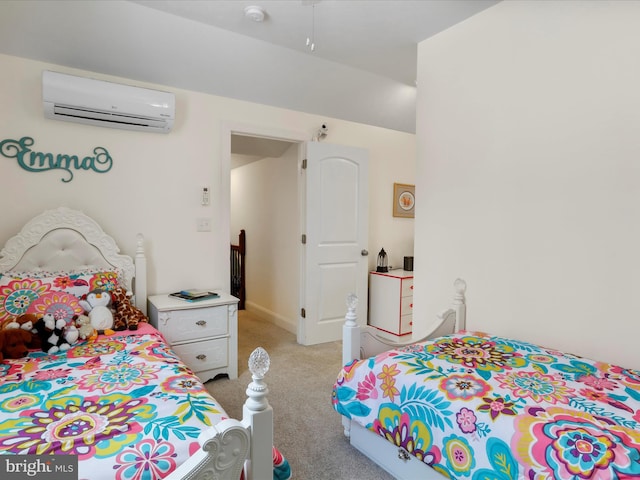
(246, 149)
(363, 68)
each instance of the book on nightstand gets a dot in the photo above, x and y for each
(194, 295)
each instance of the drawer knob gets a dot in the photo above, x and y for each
(202, 356)
(202, 323)
(403, 455)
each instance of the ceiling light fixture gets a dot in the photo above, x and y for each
(254, 13)
(311, 40)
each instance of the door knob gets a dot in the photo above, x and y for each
(364, 253)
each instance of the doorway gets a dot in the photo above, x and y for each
(263, 166)
(282, 205)
(264, 203)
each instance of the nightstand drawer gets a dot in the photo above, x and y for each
(406, 324)
(193, 324)
(407, 287)
(406, 306)
(204, 355)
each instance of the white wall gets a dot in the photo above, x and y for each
(155, 183)
(528, 174)
(264, 202)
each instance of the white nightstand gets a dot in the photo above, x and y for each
(391, 303)
(204, 334)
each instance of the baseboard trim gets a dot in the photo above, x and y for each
(271, 317)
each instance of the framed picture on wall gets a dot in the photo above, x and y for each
(404, 200)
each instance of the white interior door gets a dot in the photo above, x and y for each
(335, 253)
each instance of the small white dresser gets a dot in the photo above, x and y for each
(204, 334)
(391, 303)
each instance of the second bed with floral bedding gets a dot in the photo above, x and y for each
(472, 405)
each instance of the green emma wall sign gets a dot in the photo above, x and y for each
(32, 161)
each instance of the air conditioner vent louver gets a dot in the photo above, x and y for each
(106, 104)
(107, 117)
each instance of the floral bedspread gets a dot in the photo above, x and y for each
(477, 406)
(125, 404)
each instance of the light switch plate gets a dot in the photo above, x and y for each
(204, 224)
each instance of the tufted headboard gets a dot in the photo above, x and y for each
(64, 240)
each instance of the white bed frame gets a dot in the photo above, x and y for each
(363, 342)
(64, 239)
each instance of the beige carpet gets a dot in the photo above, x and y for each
(307, 430)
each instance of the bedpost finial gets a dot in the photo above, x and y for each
(460, 285)
(257, 390)
(352, 301)
(351, 317)
(259, 362)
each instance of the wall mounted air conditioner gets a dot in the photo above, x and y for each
(106, 104)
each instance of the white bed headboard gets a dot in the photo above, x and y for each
(64, 240)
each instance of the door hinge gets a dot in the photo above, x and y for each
(304, 239)
(303, 313)
(304, 164)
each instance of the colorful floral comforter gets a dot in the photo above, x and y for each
(124, 404)
(476, 406)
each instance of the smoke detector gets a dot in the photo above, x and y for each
(256, 14)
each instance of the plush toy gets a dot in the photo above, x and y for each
(126, 316)
(85, 329)
(70, 333)
(51, 334)
(26, 319)
(96, 305)
(26, 322)
(13, 343)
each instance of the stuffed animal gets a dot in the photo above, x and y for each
(26, 322)
(126, 316)
(13, 343)
(26, 319)
(85, 329)
(96, 305)
(70, 333)
(51, 334)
